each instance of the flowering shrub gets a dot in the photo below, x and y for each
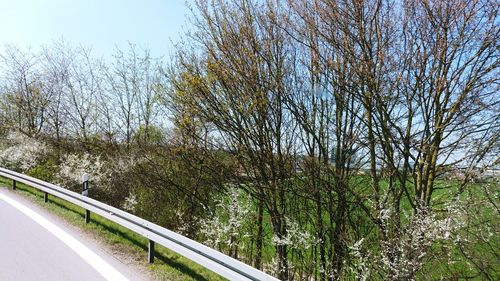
(20, 152)
(130, 203)
(108, 178)
(405, 256)
(271, 267)
(403, 251)
(73, 166)
(297, 238)
(361, 268)
(227, 225)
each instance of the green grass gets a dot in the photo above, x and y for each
(167, 265)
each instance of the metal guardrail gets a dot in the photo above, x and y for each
(209, 258)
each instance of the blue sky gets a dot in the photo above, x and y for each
(100, 24)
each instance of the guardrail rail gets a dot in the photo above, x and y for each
(209, 258)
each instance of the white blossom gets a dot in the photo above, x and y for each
(73, 166)
(403, 255)
(130, 202)
(296, 237)
(21, 152)
(227, 222)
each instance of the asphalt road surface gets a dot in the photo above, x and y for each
(35, 247)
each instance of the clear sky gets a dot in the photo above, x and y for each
(100, 24)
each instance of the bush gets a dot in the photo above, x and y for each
(22, 153)
(45, 171)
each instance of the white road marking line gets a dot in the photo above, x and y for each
(100, 265)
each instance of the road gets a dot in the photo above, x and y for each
(36, 247)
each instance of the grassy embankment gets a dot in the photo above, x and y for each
(167, 265)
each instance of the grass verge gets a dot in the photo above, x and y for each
(167, 265)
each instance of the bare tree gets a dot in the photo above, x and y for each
(56, 69)
(238, 83)
(24, 87)
(84, 86)
(135, 84)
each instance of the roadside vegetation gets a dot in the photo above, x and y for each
(314, 140)
(167, 266)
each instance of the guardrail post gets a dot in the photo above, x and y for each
(14, 184)
(151, 251)
(45, 197)
(85, 192)
(87, 216)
